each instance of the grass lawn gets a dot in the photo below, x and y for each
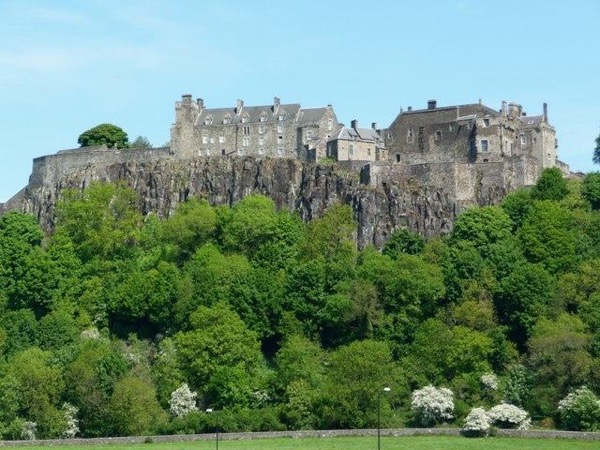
(356, 443)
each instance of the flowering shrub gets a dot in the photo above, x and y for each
(183, 401)
(431, 405)
(580, 410)
(489, 381)
(72, 423)
(477, 423)
(506, 415)
(28, 431)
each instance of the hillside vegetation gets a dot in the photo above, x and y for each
(122, 324)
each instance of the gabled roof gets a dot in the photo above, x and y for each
(252, 114)
(531, 121)
(356, 134)
(311, 115)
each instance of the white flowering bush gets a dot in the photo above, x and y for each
(432, 405)
(506, 415)
(71, 422)
(183, 401)
(580, 411)
(28, 431)
(477, 423)
(489, 381)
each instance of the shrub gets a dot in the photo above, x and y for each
(580, 411)
(431, 405)
(489, 381)
(71, 422)
(506, 415)
(183, 401)
(477, 423)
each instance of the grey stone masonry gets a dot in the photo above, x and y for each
(277, 130)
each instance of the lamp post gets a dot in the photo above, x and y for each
(209, 410)
(386, 390)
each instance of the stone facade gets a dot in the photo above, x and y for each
(474, 134)
(277, 130)
(357, 144)
(441, 161)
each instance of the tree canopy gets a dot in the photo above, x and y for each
(104, 134)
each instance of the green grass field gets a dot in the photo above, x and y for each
(356, 443)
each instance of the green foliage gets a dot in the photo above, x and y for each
(403, 241)
(590, 190)
(140, 142)
(104, 134)
(517, 206)
(550, 186)
(596, 157)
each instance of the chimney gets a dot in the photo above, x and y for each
(409, 109)
(374, 125)
(432, 104)
(276, 103)
(354, 124)
(240, 106)
(504, 108)
(200, 102)
(186, 99)
(545, 112)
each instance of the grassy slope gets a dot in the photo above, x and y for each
(357, 443)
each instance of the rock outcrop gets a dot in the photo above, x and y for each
(383, 199)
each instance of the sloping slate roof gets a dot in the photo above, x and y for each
(531, 121)
(311, 115)
(253, 113)
(463, 110)
(351, 134)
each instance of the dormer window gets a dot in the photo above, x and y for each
(226, 120)
(245, 118)
(263, 118)
(208, 120)
(281, 117)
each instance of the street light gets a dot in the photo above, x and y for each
(386, 390)
(209, 410)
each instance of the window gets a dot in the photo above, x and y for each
(208, 152)
(397, 157)
(212, 140)
(451, 127)
(245, 118)
(261, 129)
(261, 150)
(205, 139)
(523, 139)
(208, 120)
(438, 135)
(486, 122)
(484, 145)
(369, 151)
(221, 139)
(261, 140)
(409, 136)
(279, 128)
(351, 151)
(329, 124)
(263, 118)
(421, 138)
(246, 141)
(280, 150)
(246, 130)
(281, 117)
(226, 120)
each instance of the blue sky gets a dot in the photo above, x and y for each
(66, 66)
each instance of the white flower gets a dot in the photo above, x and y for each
(72, 427)
(489, 381)
(432, 404)
(477, 423)
(506, 415)
(183, 401)
(28, 431)
(90, 333)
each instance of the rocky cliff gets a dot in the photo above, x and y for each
(382, 200)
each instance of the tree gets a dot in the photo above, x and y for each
(550, 186)
(590, 190)
(104, 134)
(596, 158)
(140, 142)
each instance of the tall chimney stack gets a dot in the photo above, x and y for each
(240, 105)
(545, 112)
(354, 124)
(432, 104)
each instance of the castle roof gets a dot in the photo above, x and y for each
(356, 134)
(463, 110)
(254, 114)
(531, 121)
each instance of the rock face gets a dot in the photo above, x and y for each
(383, 198)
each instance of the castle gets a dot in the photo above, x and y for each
(420, 172)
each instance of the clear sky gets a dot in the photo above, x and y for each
(66, 66)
